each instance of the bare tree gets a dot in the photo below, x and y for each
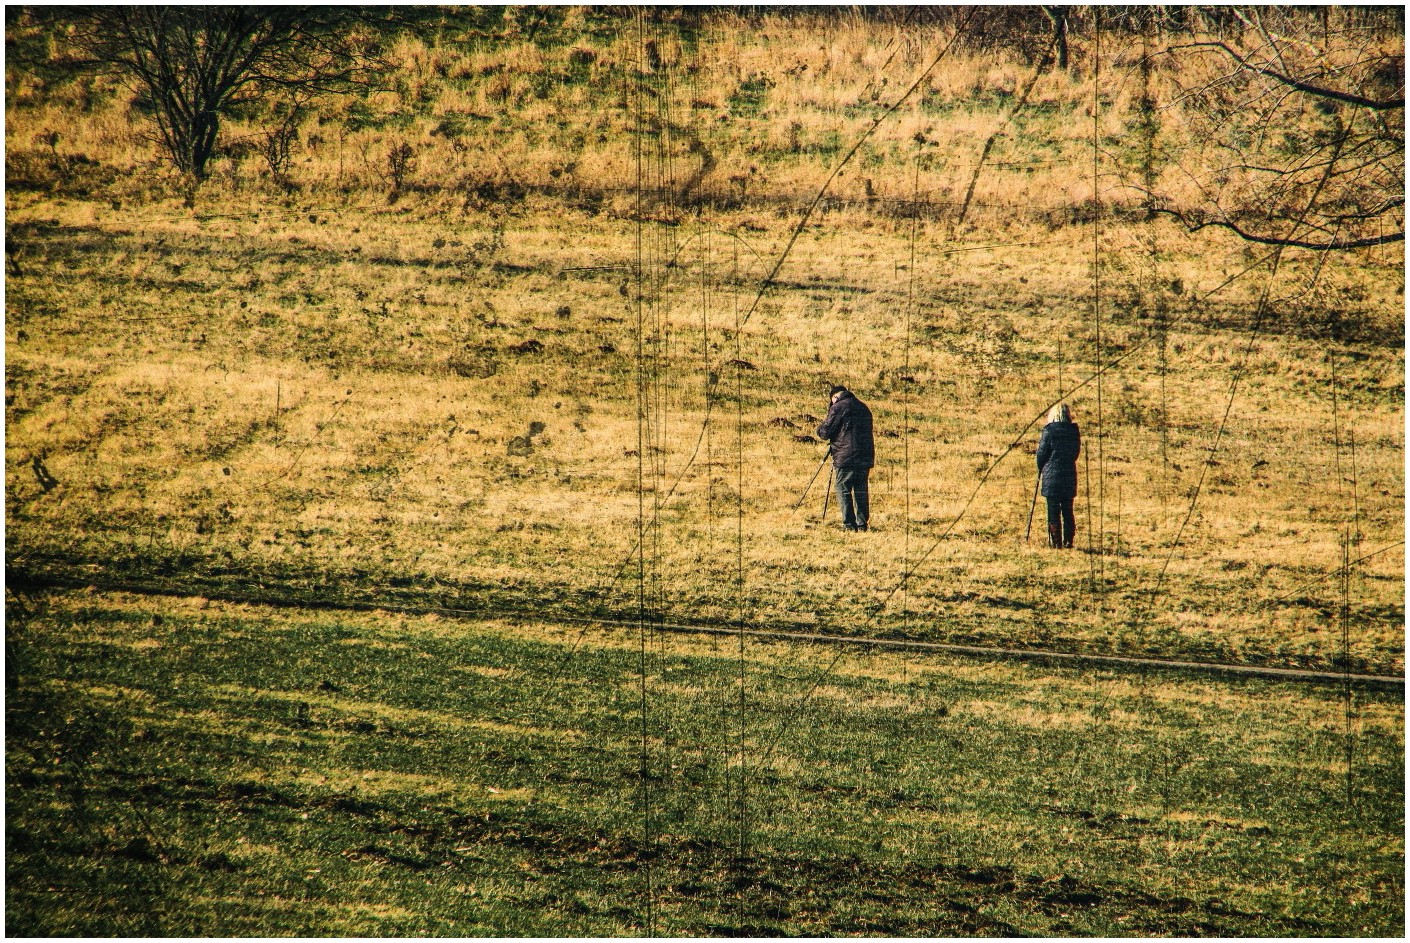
(192, 65)
(1298, 136)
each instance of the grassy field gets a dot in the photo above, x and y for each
(341, 405)
(565, 361)
(190, 768)
(534, 392)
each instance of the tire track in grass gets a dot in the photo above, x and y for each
(26, 582)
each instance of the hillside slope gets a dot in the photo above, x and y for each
(565, 362)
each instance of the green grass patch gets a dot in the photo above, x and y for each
(187, 768)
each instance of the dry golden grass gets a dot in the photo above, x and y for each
(385, 473)
(326, 382)
(820, 83)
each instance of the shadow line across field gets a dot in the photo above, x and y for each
(21, 581)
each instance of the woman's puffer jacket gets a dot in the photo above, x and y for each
(1058, 448)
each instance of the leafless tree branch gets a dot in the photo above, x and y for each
(1194, 222)
(1320, 91)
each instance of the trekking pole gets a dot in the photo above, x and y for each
(804, 496)
(1031, 508)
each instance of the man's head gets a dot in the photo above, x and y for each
(836, 393)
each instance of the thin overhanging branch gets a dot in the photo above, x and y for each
(1195, 222)
(1244, 62)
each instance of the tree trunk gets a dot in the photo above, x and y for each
(1058, 17)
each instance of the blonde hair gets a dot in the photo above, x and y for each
(1060, 413)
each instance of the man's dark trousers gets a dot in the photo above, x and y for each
(853, 497)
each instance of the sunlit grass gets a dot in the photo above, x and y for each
(332, 437)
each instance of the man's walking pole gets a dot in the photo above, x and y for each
(804, 495)
(1031, 508)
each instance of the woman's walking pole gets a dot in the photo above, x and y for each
(1031, 508)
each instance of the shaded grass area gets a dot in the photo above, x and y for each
(177, 767)
(948, 617)
(415, 598)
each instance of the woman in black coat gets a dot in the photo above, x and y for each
(1058, 447)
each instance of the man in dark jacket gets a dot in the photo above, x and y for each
(848, 428)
